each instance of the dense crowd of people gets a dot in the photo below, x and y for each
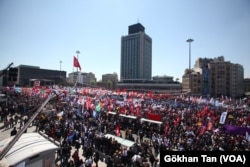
(81, 118)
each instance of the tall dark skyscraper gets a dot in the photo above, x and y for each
(136, 54)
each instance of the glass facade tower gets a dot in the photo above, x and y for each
(136, 54)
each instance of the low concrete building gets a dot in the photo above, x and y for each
(159, 84)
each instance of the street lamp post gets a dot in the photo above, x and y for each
(189, 68)
(60, 79)
(60, 64)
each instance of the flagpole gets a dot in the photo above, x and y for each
(77, 53)
(73, 66)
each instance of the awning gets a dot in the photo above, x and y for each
(120, 140)
(128, 116)
(151, 121)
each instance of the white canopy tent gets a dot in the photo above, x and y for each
(120, 140)
(113, 113)
(151, 121)
(128, 116)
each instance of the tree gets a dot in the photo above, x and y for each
(92, 83)
(177, 79)
(187, 71)
(109, 85)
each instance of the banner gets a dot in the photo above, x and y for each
(223, 117)
(236, 130)
(155, 117)
(247, 137)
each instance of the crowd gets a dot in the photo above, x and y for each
(80, 119)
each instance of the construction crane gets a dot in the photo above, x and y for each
(2, 72)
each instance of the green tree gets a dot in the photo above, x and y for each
(109, 85)
(92, 83)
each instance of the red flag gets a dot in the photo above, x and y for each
(117, 131)
(76, 63)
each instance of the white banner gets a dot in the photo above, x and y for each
(247, 137)
(223, 117)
